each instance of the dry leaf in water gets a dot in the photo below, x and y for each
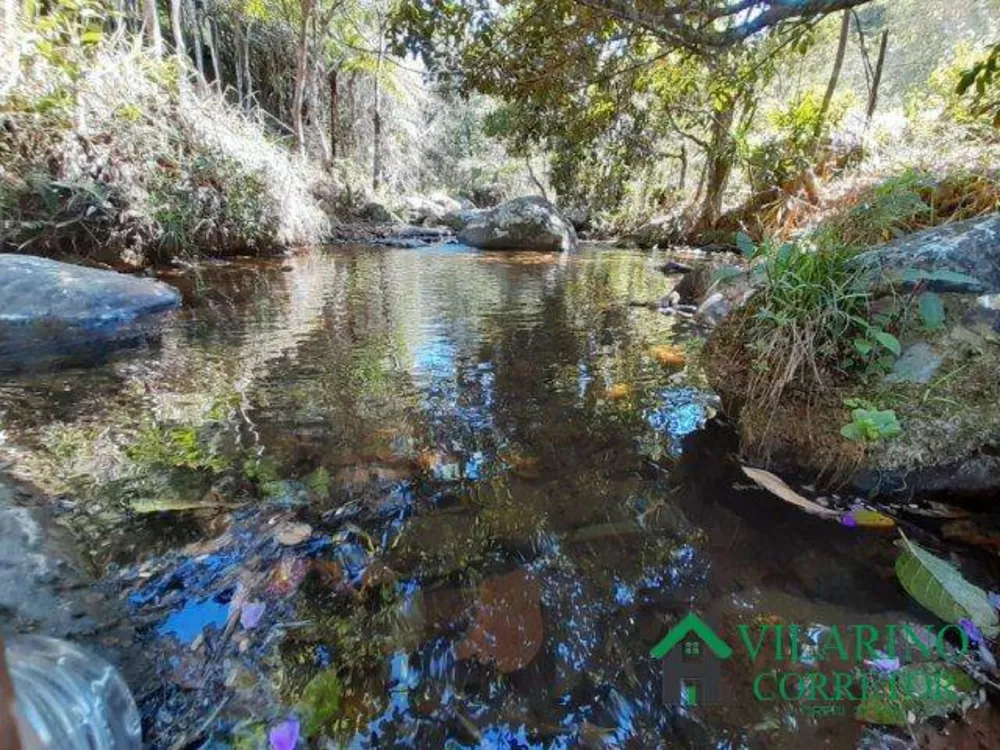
(619, 391)
(777, 487)
(507, 629)
(669, 356)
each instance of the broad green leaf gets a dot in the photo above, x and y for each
(913, 275)
(910, 700)
(887, 340)
(939, 587)
(745, 244)
(863, 347)
(852, 431)
(885, 422)
(931, 311)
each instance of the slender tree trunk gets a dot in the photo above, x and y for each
(838, 63)
(151, 24)
(334, 109)
(719, 166)
(301, 71)
(175, 23)
(877, 79)
(377, 111)
(213, 48)
(10, 49)
(196, 34)
(247, 77)
(534, 179)
(238, 59)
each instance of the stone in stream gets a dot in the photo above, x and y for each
(528, 223)
(49, 308)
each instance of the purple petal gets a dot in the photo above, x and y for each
(884, 664)
(251, 613)
(971, 630)
(848, 520)
(285, 736)
(994, 599)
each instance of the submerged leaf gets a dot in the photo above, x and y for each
(915, 693)
(939, 587)
(669, 356)
(871, 519)
(776, 486)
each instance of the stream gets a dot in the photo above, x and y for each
(428, 498)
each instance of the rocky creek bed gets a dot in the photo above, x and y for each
(424, 498)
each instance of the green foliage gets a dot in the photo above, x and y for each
(940, 588)
(931, 311)
(320, 702)
(794, 132)
(871, 425)
(979, 83)
(178, 446)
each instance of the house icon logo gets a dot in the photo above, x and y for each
(691, 654)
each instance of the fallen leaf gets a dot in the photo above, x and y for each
(250, 614)
(507, 630)
(870, 519)
(290, 533)
(669, 356)
(619, 391)
(939, 587)
(972, 532)
(777, 487)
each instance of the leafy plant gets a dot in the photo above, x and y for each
(869, 425)
(939, 587)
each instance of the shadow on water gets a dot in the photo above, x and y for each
(430, 498)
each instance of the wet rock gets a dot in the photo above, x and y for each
(489, 196)
(529, 223)
(660, 230)
(508, 628)
(429, 210)
(41, 291)
(51, 310)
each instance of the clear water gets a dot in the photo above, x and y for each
(500, 514)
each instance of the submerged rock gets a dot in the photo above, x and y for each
(51, 311)
(528, 223)
(39, 290)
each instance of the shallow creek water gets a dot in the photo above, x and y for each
(429, 498)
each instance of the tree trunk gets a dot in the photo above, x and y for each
(10, 49)
(719, 166)
(238, 59)
(377, 110)
(151, 24)
(199, 51)
(334, 110)
(301, 71)
(213, 48)
(247, 77)
(838, 63)
(175, 24)
(877, 80)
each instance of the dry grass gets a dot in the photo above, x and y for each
(122, 163)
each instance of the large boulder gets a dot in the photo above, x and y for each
(529, 223)
(457, 220)
(47, 306)
(658, 231)
(428, 210)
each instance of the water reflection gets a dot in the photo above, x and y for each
(403, 453)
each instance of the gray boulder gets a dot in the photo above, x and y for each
(457, 220)
(376, 213)
(528, 223)
(660, 230)
(50, 309)
(39, 290)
